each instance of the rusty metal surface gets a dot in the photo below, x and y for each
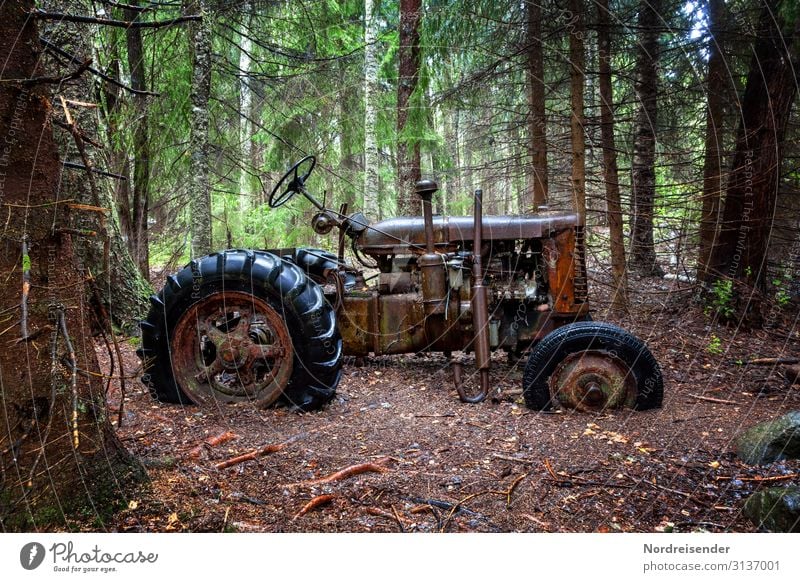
(559, 256)
(382, 324)
(232, 347)
(593, 380)
(433, 272)
(390, 236)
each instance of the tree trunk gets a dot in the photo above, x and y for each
(619, 299)
(537, 171)
(246, 191)
(408, 151)
(58, 453)
(122, 289)
(140, 202)
(643, 254)
(712, 166)
(200, 205)
(371, 159)
(753, 182)
(577, 61)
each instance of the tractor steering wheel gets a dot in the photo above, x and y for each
(295, 186)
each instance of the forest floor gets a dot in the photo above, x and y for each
(431, 463)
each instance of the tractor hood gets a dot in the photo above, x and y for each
(395, 235)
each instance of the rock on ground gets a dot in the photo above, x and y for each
(776, 509)
(770, 441)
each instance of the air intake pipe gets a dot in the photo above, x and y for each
(431, 264)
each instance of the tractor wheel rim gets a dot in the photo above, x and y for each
(234, 347)
(593, 380)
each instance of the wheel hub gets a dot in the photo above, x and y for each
(233, 353)
(232, 347)
(593, 380)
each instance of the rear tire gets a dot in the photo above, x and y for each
(287, 348)
(604, 365)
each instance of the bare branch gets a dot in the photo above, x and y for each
(60, 51)
(41, 14)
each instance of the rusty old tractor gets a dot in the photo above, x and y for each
(272, 326)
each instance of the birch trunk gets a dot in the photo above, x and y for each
(371, 159)
(246, 193)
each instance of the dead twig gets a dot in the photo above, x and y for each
(457, 507)
(394, 516)
(513, 459)
(346, 473)
(767, 361)
(681, 524)
(220, 439)
(445, 415)
(74, 59)
(511, 488)
(316, 502)
(552, 473)
(709, 399)
(688, 496)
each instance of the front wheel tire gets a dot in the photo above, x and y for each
(591, 367)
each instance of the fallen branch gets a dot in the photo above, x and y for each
(709, 399)
(445, 505)
(318, 501)
(688, 496)
(346, 473)
(220, 439)
(768, 361)
(760, 479)
(253, 455)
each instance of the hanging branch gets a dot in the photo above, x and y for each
(62, 328)
(60, 16)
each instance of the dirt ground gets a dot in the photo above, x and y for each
(431, 463)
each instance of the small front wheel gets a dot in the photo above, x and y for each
(591, 367)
